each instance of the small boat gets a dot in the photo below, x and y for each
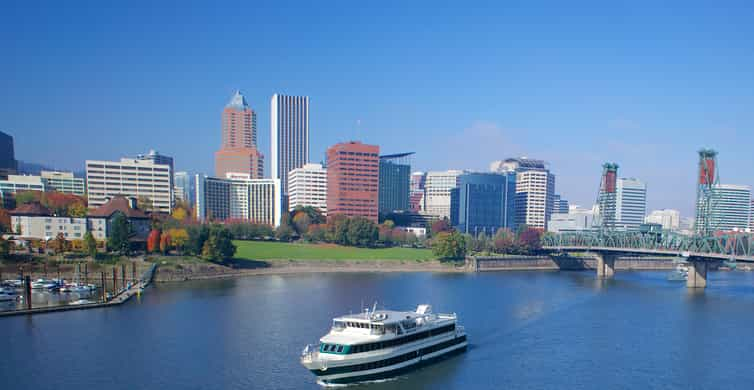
(8, 290)
(81, 302)
(44, 284)
(17, 283)
(7, 297)
(680, 273)
(381, 344)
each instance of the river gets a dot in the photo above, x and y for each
(527, 330)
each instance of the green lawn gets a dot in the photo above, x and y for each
(266, 250)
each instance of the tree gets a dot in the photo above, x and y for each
(504, 241)
(198, 235)
(153, 241)
(362, 232)
(144, 203)
(337, 229)
(218, 246)
(284, 232)
(530, 240)
(60, 244)
(90, 245)
(449, 245)
(77, 210)
(24, 197)
(439, 226)
(4, 220)
(179, 237)
(165, 243)
(180, 214)
(316, 233)
(120, 233)
(301, 222)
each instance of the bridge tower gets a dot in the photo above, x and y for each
(604, 218)
(708, 180)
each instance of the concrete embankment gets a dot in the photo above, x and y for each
(518, 263)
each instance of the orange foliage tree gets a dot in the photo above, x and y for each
(165, 243)
(153, 240)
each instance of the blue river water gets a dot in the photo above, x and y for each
(527, 330)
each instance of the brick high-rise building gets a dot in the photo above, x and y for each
(353, 180)
(239, 153)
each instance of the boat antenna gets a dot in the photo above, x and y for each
(374, 308)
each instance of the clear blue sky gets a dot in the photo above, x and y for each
(575, 83)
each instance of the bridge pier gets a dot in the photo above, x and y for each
(605, 265)
(697, 277)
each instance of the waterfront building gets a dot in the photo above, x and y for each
(353, 180)
(307, 186)
(8, 163)
(416, 192)
(559, 205)
(238, 151)
(630, 204)
(437, 189)
(535, 190)
(64, 182)
(484, 202)
(238, 197)
(289, 136)
(729, 207)
(32, 220)
(99, 220)
(575, 220)
(395, 172)
(668, 218)
(130, 178)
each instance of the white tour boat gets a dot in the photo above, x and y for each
(380, 344)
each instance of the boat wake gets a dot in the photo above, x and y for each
(341, 385)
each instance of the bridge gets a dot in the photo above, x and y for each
(698, 251)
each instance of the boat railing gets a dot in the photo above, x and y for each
(460, 329)
(310, 350)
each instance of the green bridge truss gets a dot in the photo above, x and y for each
(734, 246)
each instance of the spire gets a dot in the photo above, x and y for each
(238, 101)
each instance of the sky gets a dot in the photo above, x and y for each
(643, 84)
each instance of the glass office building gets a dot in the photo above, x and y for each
(484, 202)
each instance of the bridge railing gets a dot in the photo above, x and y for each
(734, 245)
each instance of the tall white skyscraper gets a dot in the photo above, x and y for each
(289, 135)
(437, 192)
(535, 190)
(630, 204)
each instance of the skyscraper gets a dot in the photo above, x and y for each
(238, 152)
(559, 205)
(289, 136)
(307, 186)
(8, 163)
(437, 189)
(416, 191)
(729, 207)
(535, 190)
(484, 202)
(353, 180)
(630, 204)
(131, 178)
(395, 172)
(237, 196)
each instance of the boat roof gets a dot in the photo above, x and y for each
(380, 316)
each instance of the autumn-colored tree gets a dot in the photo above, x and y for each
(90, 245)
(316, 233)
(165, 243)
(77, 210)
(439, 226)
(449, 245)
(24, 197)
(179, 214)
(60, 203)
(504, 241)
(530, 239)
(301, 222)
(153, 241)
(60, 244)
(179, 237)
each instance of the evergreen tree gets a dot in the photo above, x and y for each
(120, 233)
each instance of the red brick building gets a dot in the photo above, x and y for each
(353, 179)
(239, 152)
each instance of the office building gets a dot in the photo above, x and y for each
(630, 204)
(559, 205)
(437, 189)
(395, 172)
(729, 207)
(16, 183)
(307, 186)
(99, 220)
(238, 197)
(535, 190)
(669, 219)
(32, 220)
(289, 136)
(575, 220)
(63, 182)
(353, 180)
(238, 152)
(416, 192)
(130, 178)
(162, 159)
(183, 187)
(484, 202)
(8, 163)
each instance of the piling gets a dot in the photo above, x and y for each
(123, 276)
(103, 287)
(115, 282)
(86, 273)
(28, 292)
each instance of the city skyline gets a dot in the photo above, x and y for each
(565, 85)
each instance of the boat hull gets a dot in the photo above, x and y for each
(342, 375)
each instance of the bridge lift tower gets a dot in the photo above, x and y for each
(708, 181)
(605, 217)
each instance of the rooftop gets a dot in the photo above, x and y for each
(238, 102)
(31, 209)
(118, 203)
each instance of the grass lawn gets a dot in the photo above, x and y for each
(267, 250)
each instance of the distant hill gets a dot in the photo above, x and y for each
(30, 168)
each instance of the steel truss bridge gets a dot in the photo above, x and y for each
(698, 251)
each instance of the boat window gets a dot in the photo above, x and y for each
(340, 348)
